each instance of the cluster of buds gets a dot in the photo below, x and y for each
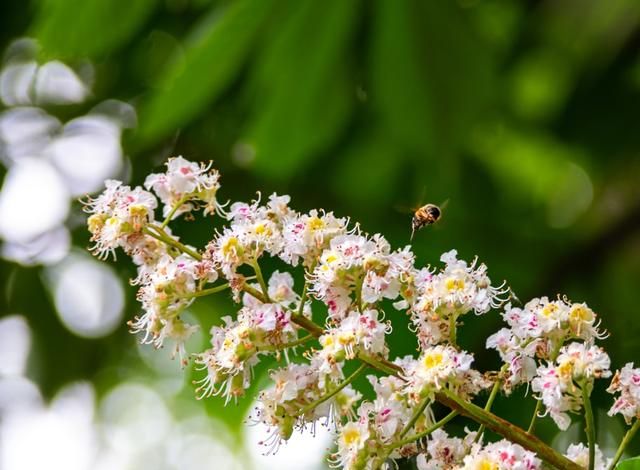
(325, 334)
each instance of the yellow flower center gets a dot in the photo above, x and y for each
(315, 223)
(262, 229)
(454, 284)
(112, 221)
(565, 369)
(230, 246)
(95, 223)
(138, 210)
(487, 465)
(346, 338)
(432, 359)
(350, 436)
(326, 341)
(580, 313)
(332, 258)
(549, 310)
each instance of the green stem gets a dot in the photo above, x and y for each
(453, 320)
(260, 277)
(426, 432)
(415, 416)
(280, 347)
(205, 292)
(589, 423)
(254, 293)
(359, 282)
(625, 441)
(161, 235)
(333, 392)
(507, 430)
(447, 398)
(492, 397)
(380, 364)
(170, 215)
(532, 423)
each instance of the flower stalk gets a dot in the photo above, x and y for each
(589, 422)
(628, 437)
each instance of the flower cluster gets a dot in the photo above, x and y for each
(327, 332)
(444, 451)
(627, 383)
(296, 399)
(184, 185)
(443, 367)
(501, 455)
(538, 331)
(579, 453)
(438, 299)
(561, 383)
(118, 216)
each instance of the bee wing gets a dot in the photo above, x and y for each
(444, 204)
(404, 209)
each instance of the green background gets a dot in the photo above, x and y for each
(524, 116)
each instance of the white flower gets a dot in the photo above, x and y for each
(164, 294)
(439, 367)
(229, 362)
(254, 230)
(307, 235)
(579, 453)
(356, 333)
(359, 266)
(456, 290)
(577, 363)
(281, 289)
(444, 452)
(283, 405)
(390, 410)
(185, 181)
(537, 331)
(116, 214)
(352, 445)
(501, 455)
(627, 382)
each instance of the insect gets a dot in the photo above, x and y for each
(428, 214)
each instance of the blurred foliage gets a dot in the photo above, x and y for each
(523, 115)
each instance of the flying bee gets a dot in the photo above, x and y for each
(428, 214)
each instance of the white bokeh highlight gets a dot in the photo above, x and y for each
(15, 343)
(303, 449)
(34, 199)
(88, 295)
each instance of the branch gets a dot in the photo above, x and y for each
(510, 431)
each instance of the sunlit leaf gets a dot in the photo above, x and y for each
(68, 28)
(630, 464)
(214, 53)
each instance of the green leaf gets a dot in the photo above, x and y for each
(214, 53)
(68, 28)
(629, 464)
(303, 87)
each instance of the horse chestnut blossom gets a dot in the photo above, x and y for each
(627, 383)
(501, 455)
(323, 318)
(183, 185)
(537, 332)
(579, 453)
(561, 384)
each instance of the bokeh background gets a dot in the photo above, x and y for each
(523, 116)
